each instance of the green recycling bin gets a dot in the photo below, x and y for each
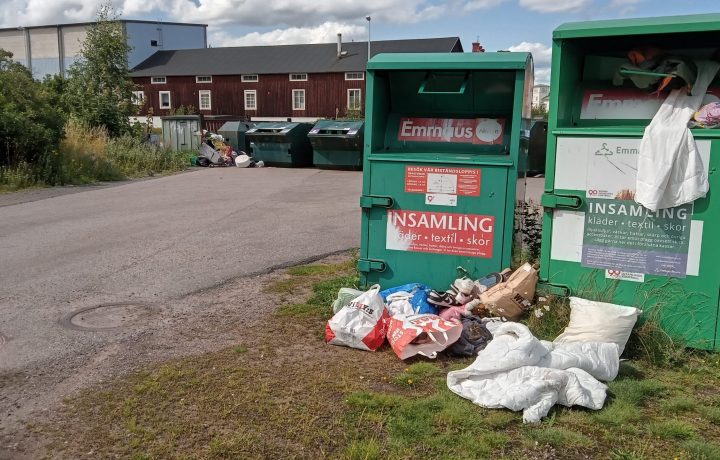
(445, 137)
(337, 144)
(282, 143)
(234, 132)
(597, 241)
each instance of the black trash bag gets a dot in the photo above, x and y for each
(474, 337)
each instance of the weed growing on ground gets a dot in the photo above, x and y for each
(559, 438)
(554, 318)
(678, 404)
(702, 450)
(672, 429)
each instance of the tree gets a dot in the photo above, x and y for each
(99, 90)
(30, 124)
(539, 112)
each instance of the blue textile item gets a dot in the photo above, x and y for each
(419, 297)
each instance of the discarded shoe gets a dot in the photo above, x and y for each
(442, 299)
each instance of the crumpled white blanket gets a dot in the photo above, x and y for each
(670, 170)
(519, 372)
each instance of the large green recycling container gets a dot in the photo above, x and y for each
(234, 132)
(282, 143)
(337, 144)
(597, 241)
(445, 138)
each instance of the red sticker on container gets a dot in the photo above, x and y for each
(440, 233)
(482, 131)
(452, 181)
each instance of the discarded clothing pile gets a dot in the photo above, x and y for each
(513, 369)
(418, 320)
(519, 372)
(215, 151)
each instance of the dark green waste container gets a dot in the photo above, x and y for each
(282, 143)
(234, 132)
(445, 146)
(537, 149)
(337, 144)
(597, 241)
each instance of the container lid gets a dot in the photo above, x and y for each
(639, 26)
(450, 61)
(333, 125)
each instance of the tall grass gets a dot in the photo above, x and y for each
(89, 155)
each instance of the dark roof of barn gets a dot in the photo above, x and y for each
(278, 59)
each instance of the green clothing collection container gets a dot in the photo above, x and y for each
(337, 144)
(234, 132)
(597, 242)
(445, 148)
(282, 143)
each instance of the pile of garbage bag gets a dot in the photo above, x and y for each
(215, 151)
(513, 369)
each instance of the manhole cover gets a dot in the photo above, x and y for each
(108, 316)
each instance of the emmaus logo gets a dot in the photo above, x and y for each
(483, 131)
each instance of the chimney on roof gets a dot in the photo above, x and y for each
(339, 50)
(477, 47)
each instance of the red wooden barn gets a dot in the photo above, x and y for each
(268, 82)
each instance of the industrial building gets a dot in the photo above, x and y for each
(51, 49)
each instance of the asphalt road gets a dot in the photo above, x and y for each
(155, 241)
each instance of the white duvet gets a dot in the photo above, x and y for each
(519, 372)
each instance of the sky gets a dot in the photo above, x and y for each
(515, 25)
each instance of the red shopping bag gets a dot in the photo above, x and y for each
(424, 335)
(360, 324)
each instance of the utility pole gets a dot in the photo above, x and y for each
(368, 20)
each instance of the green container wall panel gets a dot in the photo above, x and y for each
(337, 144)
(444, 158)
(234, 132)
(592, 249)
(281, 143)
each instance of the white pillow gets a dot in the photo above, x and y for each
(592, 321)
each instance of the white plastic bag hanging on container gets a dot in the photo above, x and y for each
(360, 324)
(424, 335)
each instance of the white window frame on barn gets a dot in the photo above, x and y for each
(203, 78)
(254, 104)
(359, 96)
(208, 93)
(138, 97)
(158, 80)
(354, 75)
(298, 91)
(250, 78)
(169, 98)
(298, 77)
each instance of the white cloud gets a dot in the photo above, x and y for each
(475, 5)
(15, 13)
(555, 6)
(625, 6)
(542, 53)
(303, 13)
(277, 13)
(542, 57)
(542, 76)
(324, 33)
